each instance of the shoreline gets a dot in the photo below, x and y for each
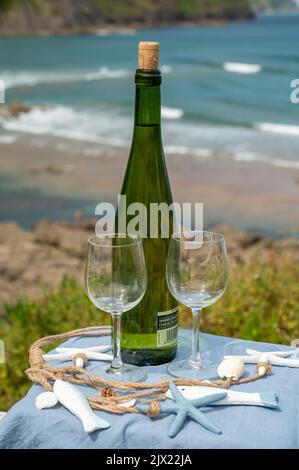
(72, 177)
(110, 29)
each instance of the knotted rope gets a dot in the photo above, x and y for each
(45, 374)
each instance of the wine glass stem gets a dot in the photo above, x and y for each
(195, 358)
(116, 361)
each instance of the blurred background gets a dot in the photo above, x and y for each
(231, 139)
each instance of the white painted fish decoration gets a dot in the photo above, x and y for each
(266, 399)
(47, 400)
(74, 401)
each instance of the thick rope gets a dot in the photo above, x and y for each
(45, 374)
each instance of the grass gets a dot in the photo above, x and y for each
(261, 303)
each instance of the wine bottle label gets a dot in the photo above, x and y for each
(167, 331)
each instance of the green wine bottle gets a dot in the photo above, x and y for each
(149, 331)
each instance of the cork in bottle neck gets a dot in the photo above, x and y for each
(148, 55)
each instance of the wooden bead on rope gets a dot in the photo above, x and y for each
(263, 368)
(80, 359)
(154, 409)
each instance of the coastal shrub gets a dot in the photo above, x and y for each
(27, 320)
(261, 303)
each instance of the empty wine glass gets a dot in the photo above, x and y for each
(197, 274)
(115, 282)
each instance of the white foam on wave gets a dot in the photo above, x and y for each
(30, 78)
(246, 157)
(166, 69)
(33, 78)
(253, 157)
(284, 163)
(236, 67)
(176, 149)
(112, 128)
(102, 32)
(278, 128)
(8, 139)
(171, 113)
(183, 150)
(70, 123)
(105, 72)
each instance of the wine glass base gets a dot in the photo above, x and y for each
(185, 369)
(125, 373)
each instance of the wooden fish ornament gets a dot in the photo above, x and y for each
(47, 400)
(74, 401)
(266, 399)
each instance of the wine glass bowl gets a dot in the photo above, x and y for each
(196, 269)
(197, 274)
(115, 282)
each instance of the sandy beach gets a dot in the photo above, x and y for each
(257, 197)
(43, 177)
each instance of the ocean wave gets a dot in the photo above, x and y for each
(30, 78)
(113, 127)
(117, 32)
(288, 129)
(184, 150)
(69, 123)
(165, 69)
(94, 126)
(237, 67)
(171, 113)
(33, 78)
(105, 72)
(253, 157)
(27, 78)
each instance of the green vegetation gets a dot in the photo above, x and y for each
(53, 15)
(6, 4)
(142, 10)
(25, 322)
(261, 303)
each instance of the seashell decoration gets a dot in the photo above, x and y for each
(231, 368)
(45, 400)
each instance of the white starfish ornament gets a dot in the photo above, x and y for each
(275, 358)
(96, 353)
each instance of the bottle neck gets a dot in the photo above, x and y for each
(148, 98)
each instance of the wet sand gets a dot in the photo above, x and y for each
(257, 197)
